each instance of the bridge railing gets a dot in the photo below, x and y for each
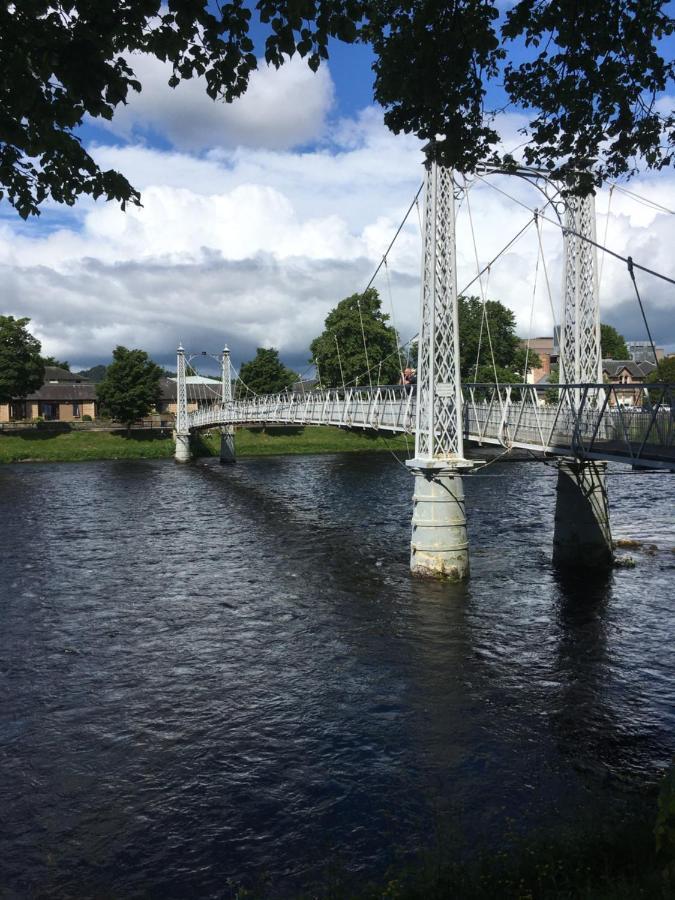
(587, 420)
(389, 407)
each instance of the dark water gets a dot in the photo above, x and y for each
(212, 677)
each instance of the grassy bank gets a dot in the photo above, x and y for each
(76, 446)
(617, 863)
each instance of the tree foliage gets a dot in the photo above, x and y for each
(62, 62)
(590, 77)
(664, 372)
(339, 350)
(265, 373)
(130, 388)
(509, 356)
(613, 345)
(21, 367)
(588, 74)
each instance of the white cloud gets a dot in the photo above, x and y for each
(255, 247)
(282, 108)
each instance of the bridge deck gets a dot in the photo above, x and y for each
(587, 421)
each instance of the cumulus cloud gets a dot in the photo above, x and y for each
(255, 247)
(280, 109)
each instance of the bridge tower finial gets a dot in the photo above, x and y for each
(439, 543)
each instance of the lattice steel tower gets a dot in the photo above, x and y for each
(182, 453)
(227, 454)
(580, 356)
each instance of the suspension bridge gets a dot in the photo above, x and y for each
(580, 422)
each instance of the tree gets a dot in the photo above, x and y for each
(664, 373)
(339, 350)
(590, 75)
(130, 388)
(61, 63)
(612, 344)
(509, 356)
(57, 363)
(21, 368)
(551, 394)
(265, 373)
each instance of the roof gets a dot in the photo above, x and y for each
(56, 373)
(70, 392)
(640, 369)
(198, 388)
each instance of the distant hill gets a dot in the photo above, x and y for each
(95, 374)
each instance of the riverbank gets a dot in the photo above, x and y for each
(614, 861)
(79, 446)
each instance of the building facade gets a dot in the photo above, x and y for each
(63, 397)
(628, 373)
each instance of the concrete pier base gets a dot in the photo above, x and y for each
(582, 536)
(227, 452)
(439, 546)
(182, 453)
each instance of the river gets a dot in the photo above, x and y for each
(213, 677)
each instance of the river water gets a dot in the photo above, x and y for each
(212, 677)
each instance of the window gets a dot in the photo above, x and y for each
(49, 411)
(76, 410)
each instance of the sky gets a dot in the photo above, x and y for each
(259, 216)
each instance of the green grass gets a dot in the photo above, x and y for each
(75, 446)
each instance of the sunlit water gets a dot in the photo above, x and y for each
(220, 676)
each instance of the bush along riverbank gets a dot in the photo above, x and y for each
(44, 445)
(614, 857)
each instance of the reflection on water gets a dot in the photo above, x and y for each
(212, 676)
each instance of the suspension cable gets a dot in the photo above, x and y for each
(398, 346)
(529, 331)
(604, 240)
(494, 259)
(393, 317)
(363, 337)
(393, 240)
(342, 374)
(581, 237)
(639, 300)
(644, 200)
(547, 282)
(484, 296)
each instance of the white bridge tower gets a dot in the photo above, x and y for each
(227, 454)
(182, 432)
(439, 546)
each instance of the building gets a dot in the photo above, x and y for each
(64, 397)
(547, 350)
(641, 351)
(628, 372)
(201, 391)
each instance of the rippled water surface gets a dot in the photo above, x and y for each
(219, 676)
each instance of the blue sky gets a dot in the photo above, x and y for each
(258, 218)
